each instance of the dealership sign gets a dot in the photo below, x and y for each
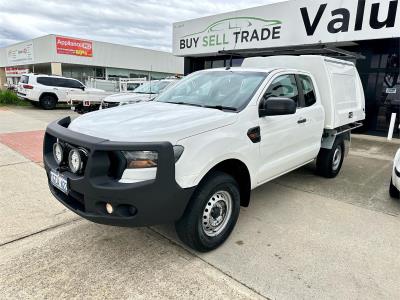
(20, 54)
(74, 47)
(290, 23)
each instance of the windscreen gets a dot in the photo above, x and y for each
(152, 87)
(230, 89)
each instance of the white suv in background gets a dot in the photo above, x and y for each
(47, 90)
(146, 92)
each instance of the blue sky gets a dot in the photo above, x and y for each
(145, 23)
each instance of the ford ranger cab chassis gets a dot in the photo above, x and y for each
(193, 155)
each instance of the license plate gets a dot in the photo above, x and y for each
(59, 181)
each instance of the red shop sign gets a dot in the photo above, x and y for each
(74, 47)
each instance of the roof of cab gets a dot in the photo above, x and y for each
(241, 69)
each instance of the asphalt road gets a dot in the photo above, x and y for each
(302, 237)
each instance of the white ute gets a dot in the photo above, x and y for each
(193, 155)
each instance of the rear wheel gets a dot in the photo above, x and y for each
(211, 214)
(48, 102)
(393, 191)
(329, 161)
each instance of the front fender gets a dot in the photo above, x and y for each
(203, 152)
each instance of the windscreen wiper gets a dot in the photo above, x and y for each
(221, 107)
(184, 103)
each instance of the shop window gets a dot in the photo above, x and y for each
(237, 62)
(375, 61)
(218, 63)
(100, 73)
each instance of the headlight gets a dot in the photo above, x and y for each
(58, 153)
(76, 159)
(141, 159)
(128, 102)
(147, 159)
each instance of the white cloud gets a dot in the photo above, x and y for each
(145, 24)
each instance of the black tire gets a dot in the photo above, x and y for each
(190, 227)
(48, 102)
(328, 162)
(393, 191)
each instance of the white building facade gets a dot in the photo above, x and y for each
(82, 59)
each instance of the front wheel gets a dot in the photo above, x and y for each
(329, 161)
(211, 214)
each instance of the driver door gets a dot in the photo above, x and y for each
(282, 137)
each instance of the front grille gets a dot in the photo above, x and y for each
(73, 199)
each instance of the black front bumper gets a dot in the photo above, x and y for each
(150, 202)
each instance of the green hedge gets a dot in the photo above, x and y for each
(9, 97)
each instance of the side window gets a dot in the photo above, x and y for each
(48, 81)
(308, 90)
(66, 83)
(73, 84)
(43, 80)
(284, 86)
(58, 82)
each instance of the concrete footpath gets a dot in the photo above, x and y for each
(303, 237)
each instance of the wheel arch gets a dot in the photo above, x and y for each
(48, 94)
(239, 171)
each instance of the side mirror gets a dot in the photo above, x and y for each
(277, 106)
(82, 87)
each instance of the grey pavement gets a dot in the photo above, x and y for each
(29, 118)
(303, 237)
(83, 260)
(26, 205)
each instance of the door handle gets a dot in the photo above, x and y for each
(301, 121)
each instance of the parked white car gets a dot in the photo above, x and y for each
(194, 154)
(146, 92)
(394, 189)
(47, 91)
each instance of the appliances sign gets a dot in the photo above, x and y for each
(20, 54)
(74, 47)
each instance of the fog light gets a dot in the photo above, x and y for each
(109, 208)
(76, 159)
(58, 153)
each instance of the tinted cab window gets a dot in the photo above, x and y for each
(308, 90)
(284, 86)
